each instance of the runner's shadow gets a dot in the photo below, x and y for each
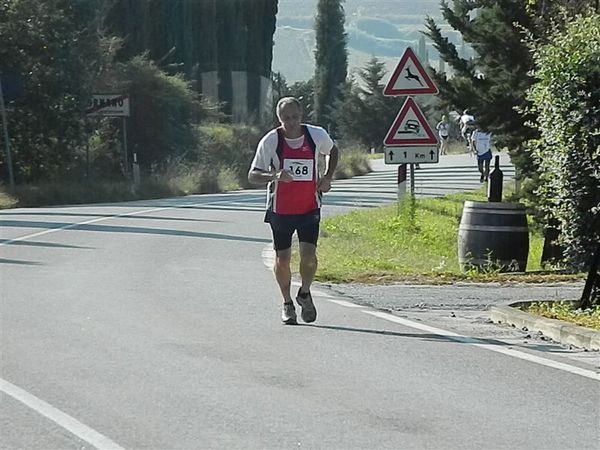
(424, 336)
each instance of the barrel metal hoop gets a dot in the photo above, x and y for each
(479, 261)
(495, 211)
(491, 228)
(494, 206)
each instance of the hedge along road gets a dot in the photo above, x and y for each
(156, 325)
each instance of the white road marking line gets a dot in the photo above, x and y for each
(77, 428)
(346, 303)
(268, 257)
(495, 348)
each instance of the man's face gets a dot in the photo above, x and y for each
(290, 117)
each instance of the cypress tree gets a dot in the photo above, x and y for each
(331, 59)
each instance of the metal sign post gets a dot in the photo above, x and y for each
(126, 153)
(11, 178)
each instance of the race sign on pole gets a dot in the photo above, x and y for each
(409, 78)
(410, 128)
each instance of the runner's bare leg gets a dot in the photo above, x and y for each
(308, 264)
(283, 273)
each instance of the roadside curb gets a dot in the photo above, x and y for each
(556, 330)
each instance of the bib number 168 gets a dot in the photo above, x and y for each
(301, 169)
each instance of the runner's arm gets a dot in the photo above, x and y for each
(332, 160)
(259, 176)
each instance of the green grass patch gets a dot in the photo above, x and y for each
(457, 148)
(568, 312)
(410, 242)
(7, 200)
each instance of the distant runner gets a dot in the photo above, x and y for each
(466, 126)
(482, 147)
(442, 128)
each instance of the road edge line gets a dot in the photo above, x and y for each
(62, 419)
(492, 347)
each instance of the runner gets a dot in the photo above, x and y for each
(442, 128)
(287, 158)
(482, 147)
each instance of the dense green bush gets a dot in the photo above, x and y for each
(228, 147)
(352, 162)
(164, 109)
(566, 99)
(49, 55)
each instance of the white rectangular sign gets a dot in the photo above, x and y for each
(410, 155)
(113, 105)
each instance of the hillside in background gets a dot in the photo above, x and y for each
(381, 28)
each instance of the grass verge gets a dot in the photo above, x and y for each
(411, 242)
(567, 311)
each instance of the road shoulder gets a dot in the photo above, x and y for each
(464, 309)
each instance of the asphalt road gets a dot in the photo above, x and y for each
(155, 325)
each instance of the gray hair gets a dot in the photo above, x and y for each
(284, 101)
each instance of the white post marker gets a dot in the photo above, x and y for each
(401, 181)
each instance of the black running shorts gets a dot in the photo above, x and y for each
(284, 226)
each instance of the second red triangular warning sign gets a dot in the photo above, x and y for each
(409, 128)
(409, 78)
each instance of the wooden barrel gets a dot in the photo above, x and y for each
(493, 236)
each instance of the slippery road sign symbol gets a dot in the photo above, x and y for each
(409, 78)
(410, 128)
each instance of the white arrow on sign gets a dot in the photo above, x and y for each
(411, 155)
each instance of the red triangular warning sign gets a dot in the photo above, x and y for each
(409, 78)
(410, 127)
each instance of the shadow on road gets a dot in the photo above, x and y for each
(122, 229)
(423, 336)
(19, 262)
(41, 244)
(115, 216)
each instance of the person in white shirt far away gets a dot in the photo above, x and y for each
(481, 143)
(442, 128)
